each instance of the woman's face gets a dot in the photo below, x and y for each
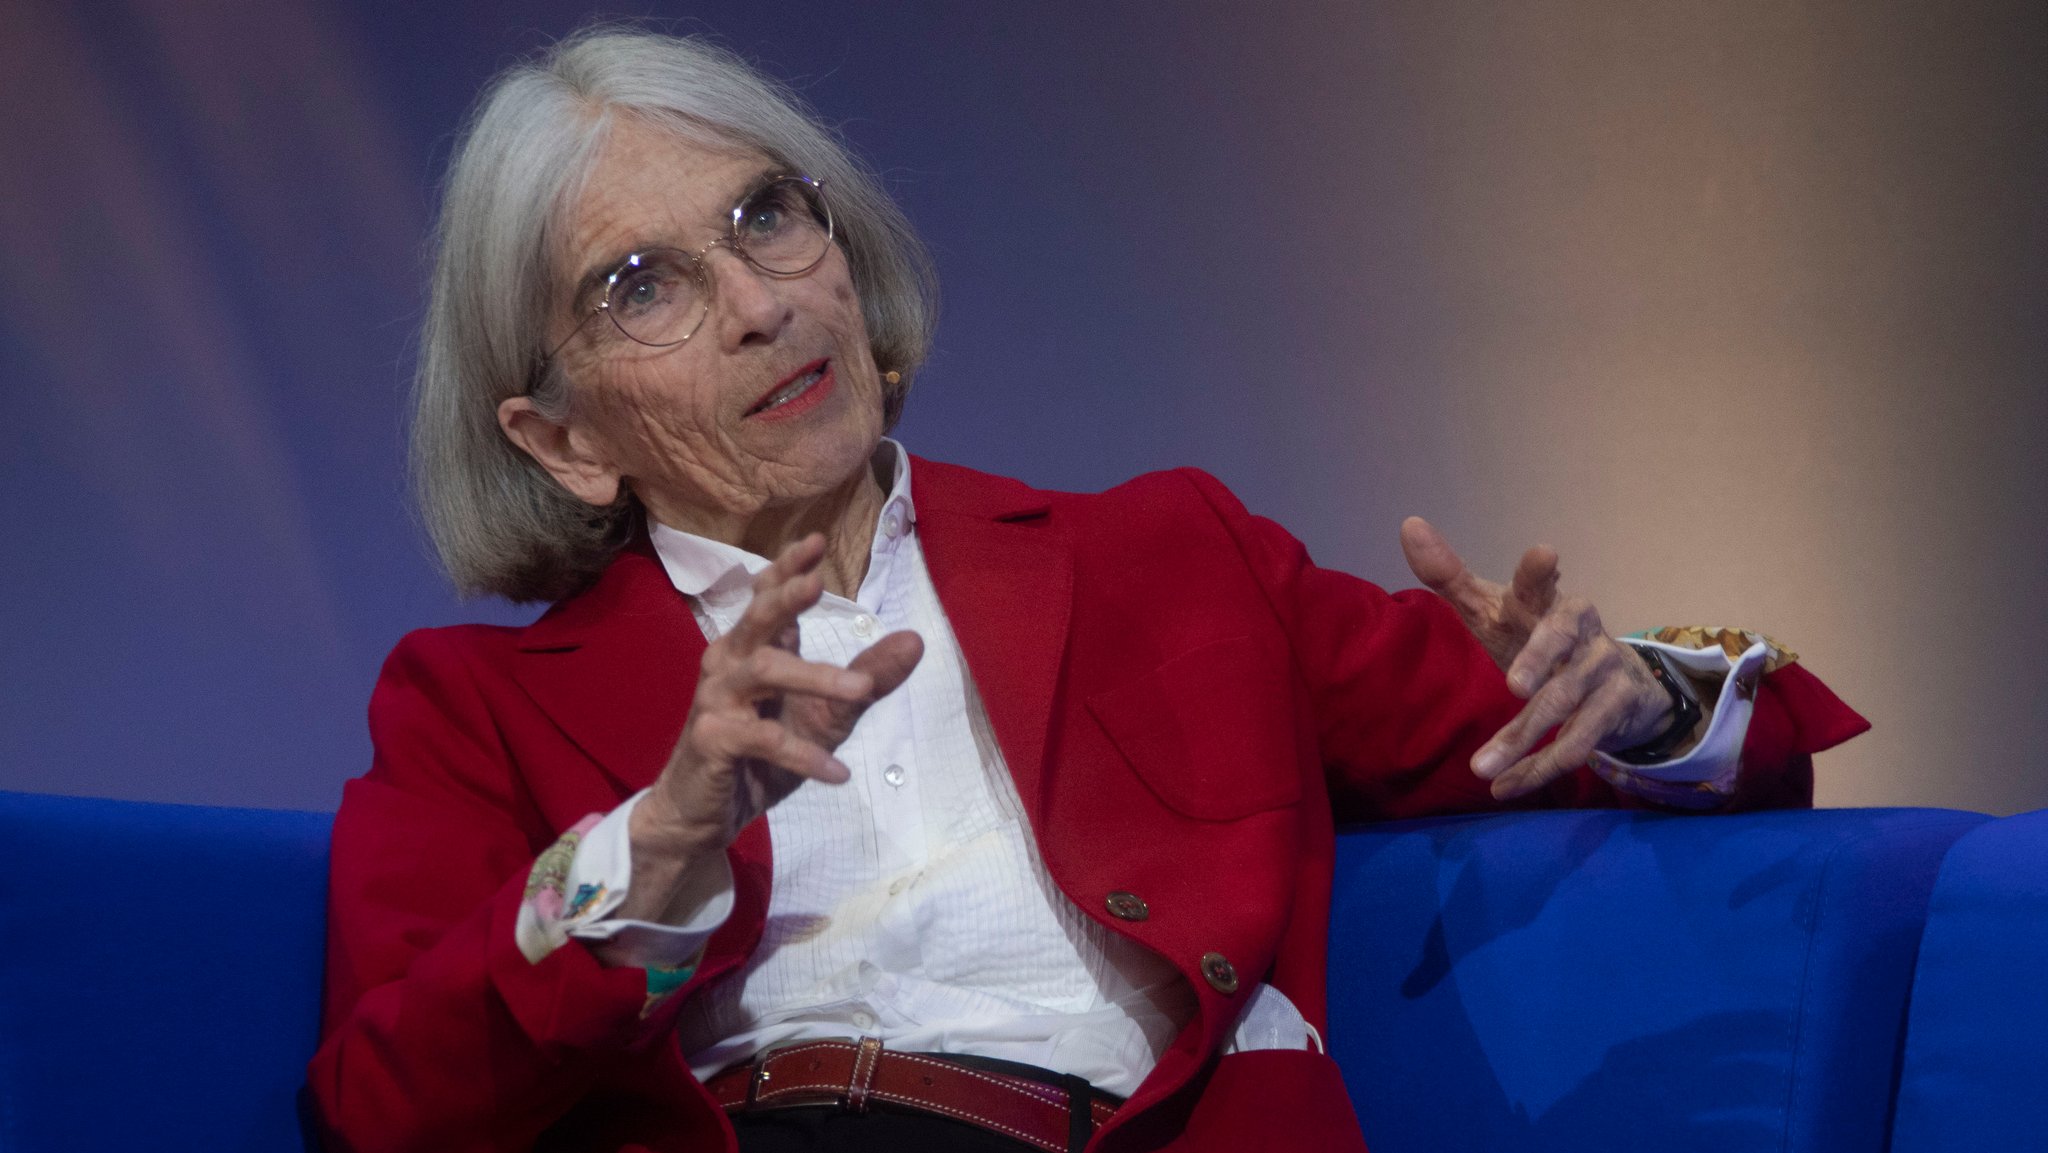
(687, 427)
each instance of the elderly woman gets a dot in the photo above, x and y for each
(850, 800)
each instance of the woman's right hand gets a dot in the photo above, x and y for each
(762, 722)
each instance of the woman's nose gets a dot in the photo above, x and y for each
(744, 302)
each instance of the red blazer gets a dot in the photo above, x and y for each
(1185, 703)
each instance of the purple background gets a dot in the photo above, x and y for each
(1741, 306)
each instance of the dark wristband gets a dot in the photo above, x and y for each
(1685, 713)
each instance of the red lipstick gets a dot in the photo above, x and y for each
(795, 394)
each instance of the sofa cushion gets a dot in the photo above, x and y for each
(1975, 1075)
(1604, 980)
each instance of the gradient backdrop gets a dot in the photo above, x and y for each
(1739, 305)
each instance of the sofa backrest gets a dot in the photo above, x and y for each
(1578, 980)
(1607, 981)
(159, 974)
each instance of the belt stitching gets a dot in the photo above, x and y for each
(779, 1089)
(977, 1074)
(862, 1083)
(1099, 1112)
(1094, 1106)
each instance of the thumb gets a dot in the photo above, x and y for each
(889, 661)
(1431, 558)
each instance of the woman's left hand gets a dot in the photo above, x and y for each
(1590, 687)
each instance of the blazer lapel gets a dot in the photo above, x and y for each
(615, 665)
(1004, 572)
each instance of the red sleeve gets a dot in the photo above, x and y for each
(1404, 694)
(438, 1033)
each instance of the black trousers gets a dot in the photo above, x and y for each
(831, 1129)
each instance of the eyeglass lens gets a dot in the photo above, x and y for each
(660, 296)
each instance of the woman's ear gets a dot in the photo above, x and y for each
(567, 454)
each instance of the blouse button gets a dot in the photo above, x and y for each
(894, 775)
(863, 626)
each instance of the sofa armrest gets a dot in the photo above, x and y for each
(1975, 1075)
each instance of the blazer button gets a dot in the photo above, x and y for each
(1220, 973)
(1127, 906)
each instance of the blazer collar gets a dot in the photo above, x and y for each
(614, 666)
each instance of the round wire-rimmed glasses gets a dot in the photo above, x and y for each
(660, 296)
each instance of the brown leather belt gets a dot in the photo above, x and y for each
(858, 1075)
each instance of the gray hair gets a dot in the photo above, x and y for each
(501, 524)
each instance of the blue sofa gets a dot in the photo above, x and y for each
(1853, 980)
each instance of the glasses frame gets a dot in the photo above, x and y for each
(695, 262)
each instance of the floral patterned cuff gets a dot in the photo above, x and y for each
(547, 911)
(1732, 642)
(581, 880)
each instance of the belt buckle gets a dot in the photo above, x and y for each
(759, 1075)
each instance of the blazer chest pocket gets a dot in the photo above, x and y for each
(1210, 732)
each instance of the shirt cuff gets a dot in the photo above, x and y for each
(1705, 777)
(1270, 1021)
(582, 878)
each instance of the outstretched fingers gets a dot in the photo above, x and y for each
(782, 591)
(887, 664)
(774, 671)
(736, 738)
(1557, 640)
(1552, 705)
(1582, 733)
